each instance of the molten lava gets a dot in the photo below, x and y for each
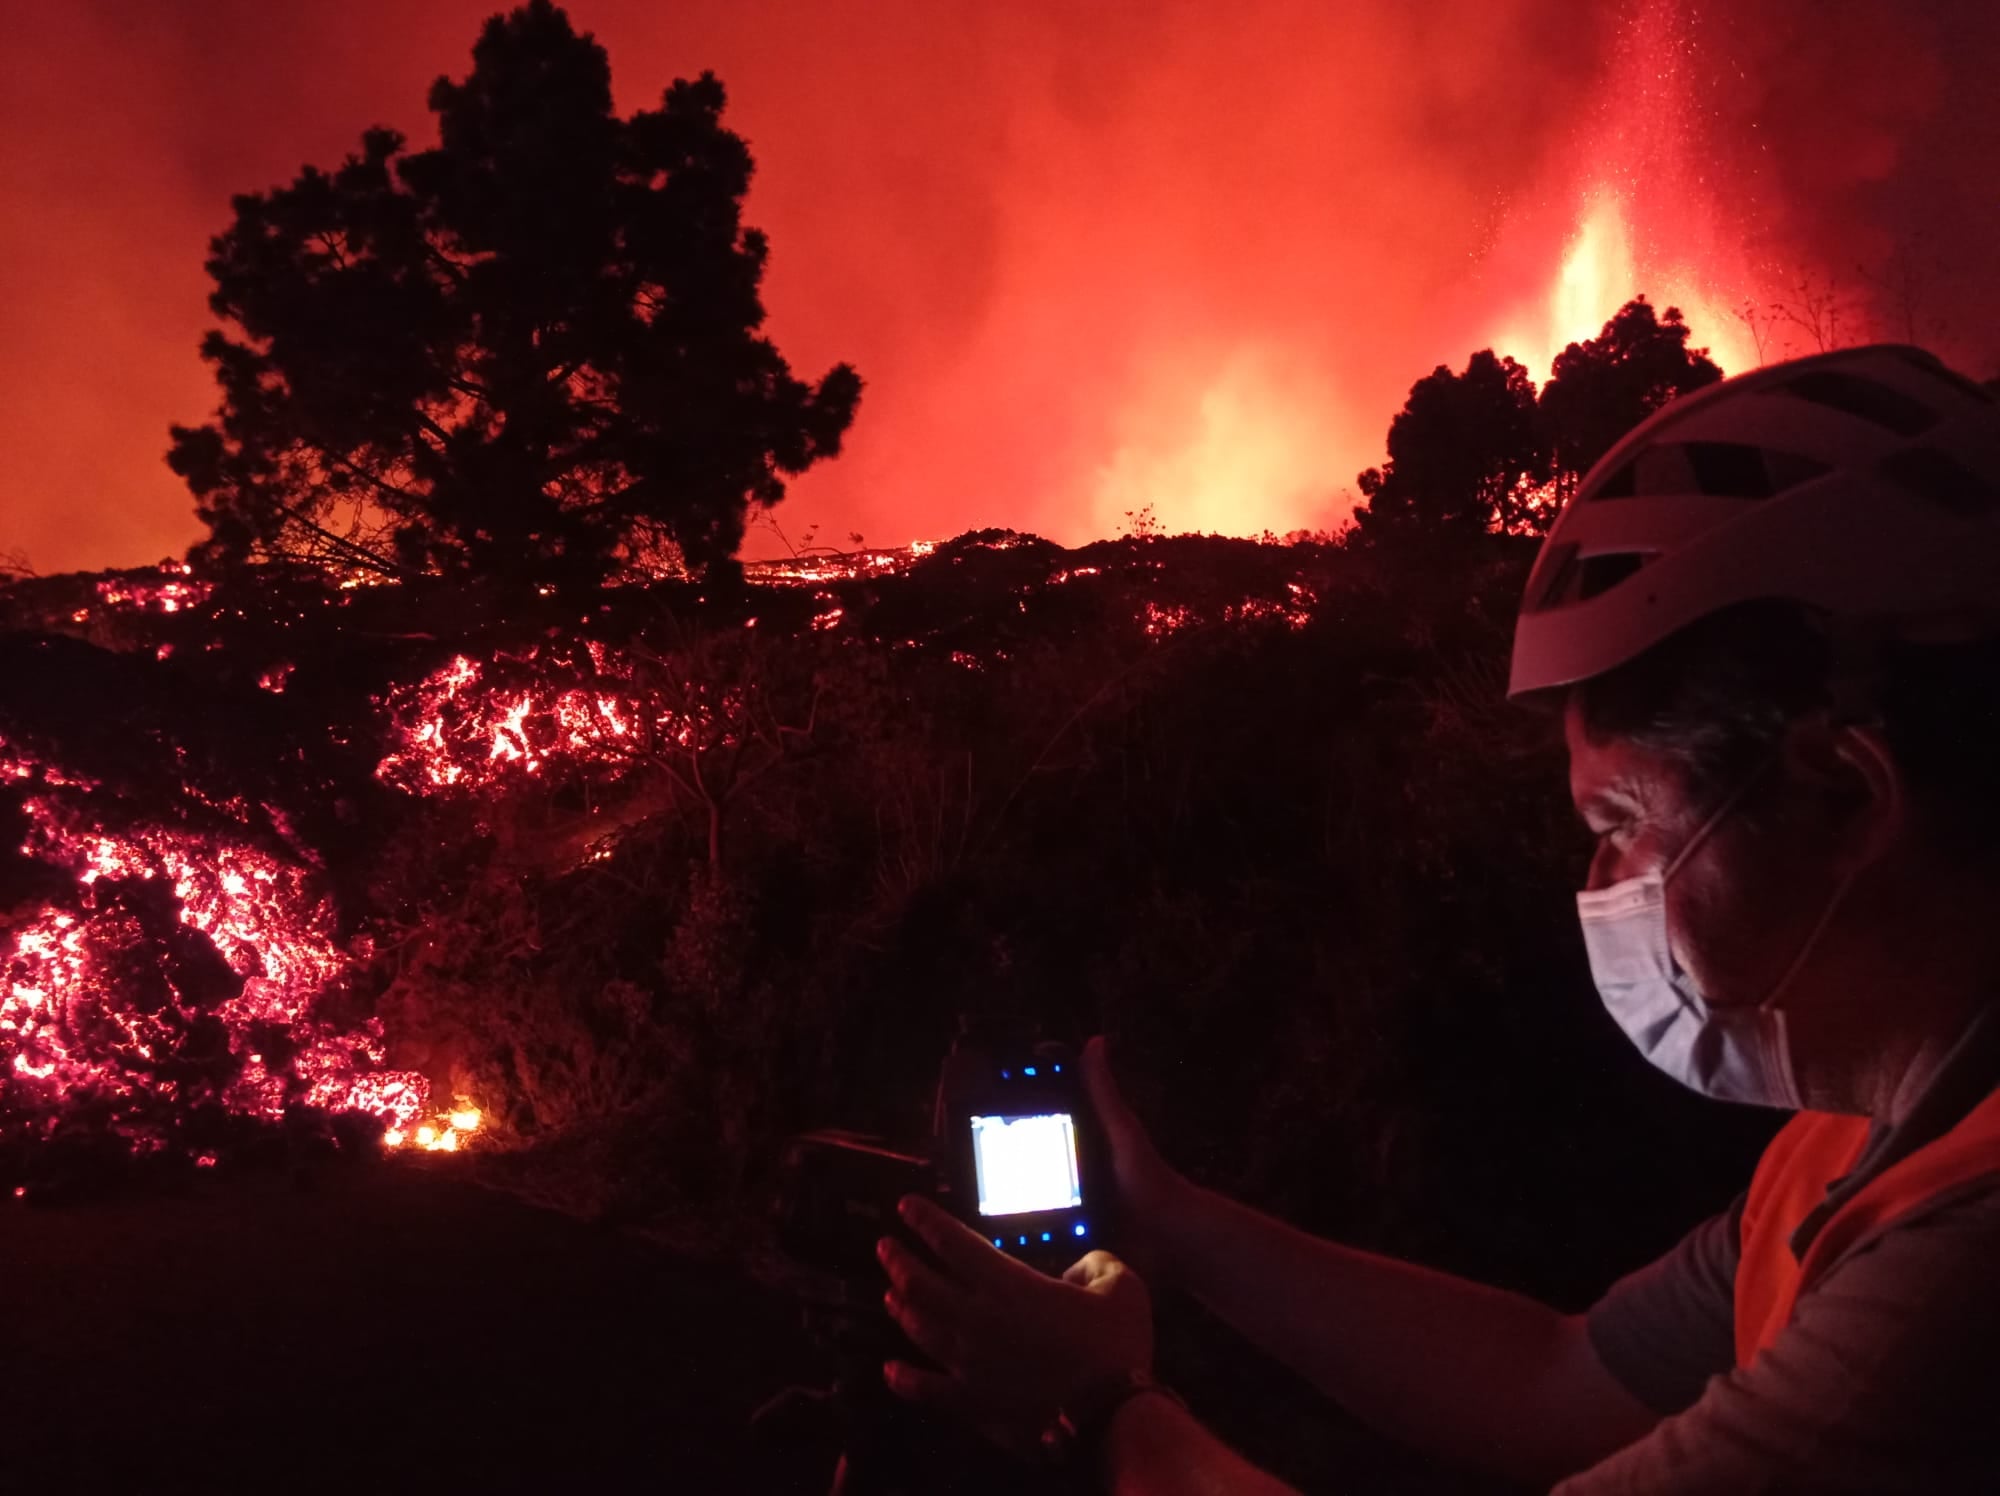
(177, 968)
(472, 727)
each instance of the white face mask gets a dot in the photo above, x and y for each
(1731, 1054)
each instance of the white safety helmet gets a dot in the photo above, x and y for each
(1863, 484)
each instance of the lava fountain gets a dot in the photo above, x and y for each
(1257, 437)
(1637, 209)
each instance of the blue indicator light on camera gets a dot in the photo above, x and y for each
(998, 1243)
(1079, 1228)
(1045, 1236)
(1058, 1070)
(1006, 1075)
(1028, 1070)
(1024, 1241)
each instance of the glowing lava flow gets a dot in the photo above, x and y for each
(453, 730)
(1164, 620)
(167, 588)
(174, 591)
(469, 726)
(817, 567)
(181, 969)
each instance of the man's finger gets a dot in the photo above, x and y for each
(930, 1388)
(967, 1256)
(915, 1282)
(1093, 1269)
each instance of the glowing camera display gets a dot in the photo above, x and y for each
(1025, 1164)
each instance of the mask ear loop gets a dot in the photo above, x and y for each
(1854, 696)
(1721, 812)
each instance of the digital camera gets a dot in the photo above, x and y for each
(1014, 1152)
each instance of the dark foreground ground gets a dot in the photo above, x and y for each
(396, 1328)
(386, 1329)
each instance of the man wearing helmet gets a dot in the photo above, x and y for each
(1771, 617)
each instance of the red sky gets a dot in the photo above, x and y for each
(1088, 256)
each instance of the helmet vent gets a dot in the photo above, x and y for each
(1940, 478)
(1721, 470)
(1877, 403)
(1600, 574)
(1729, 470)
(1577, 579)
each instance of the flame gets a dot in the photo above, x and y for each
(446, 1134)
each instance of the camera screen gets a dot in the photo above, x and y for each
(1025, 1163)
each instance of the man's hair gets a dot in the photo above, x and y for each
(1717, 697)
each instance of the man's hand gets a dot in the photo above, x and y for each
(1015, 1345)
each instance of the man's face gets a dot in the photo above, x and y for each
(1743, 903)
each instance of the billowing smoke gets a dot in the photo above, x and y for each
(1091, 258)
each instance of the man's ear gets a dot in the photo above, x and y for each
(1855, 775)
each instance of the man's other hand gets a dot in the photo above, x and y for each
(1015, 1346)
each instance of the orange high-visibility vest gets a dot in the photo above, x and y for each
(1809, 1153)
